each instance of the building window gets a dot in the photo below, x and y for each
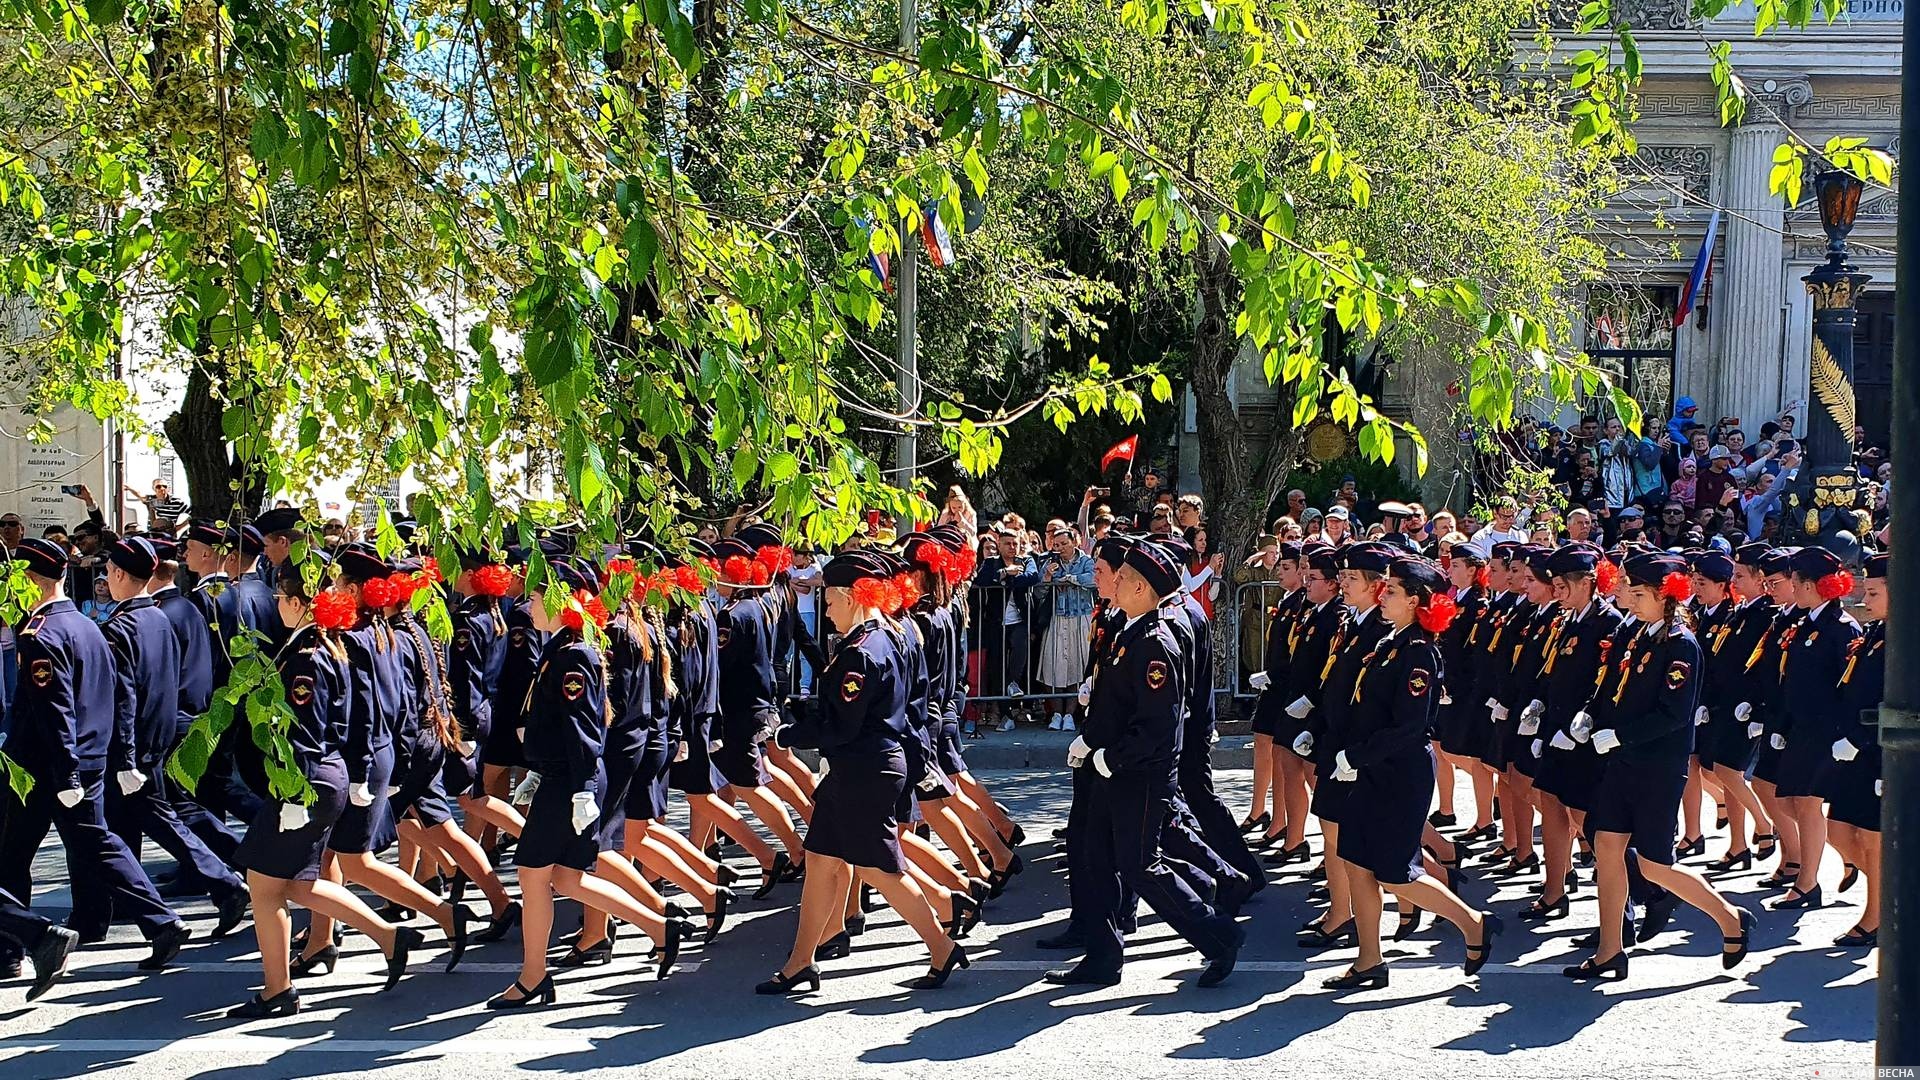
(1873, 366)
(1630, 335)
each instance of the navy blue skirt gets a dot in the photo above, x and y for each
(1568, 775)
(1809, 753)
(856, 807)
(419, 788)
(1724, 742)
(363, 829)
(647, 794)
(549, 838)
(295, 856)
(1641, 798)
(1848, 787)
(741, 759)
(951, 761)
(1386, 814)
(697, 775)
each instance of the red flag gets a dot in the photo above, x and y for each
(1122, 451)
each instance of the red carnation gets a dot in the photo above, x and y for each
(404, 586)
(1835, 585)
(1483, 577)
(1676, 587)
(870, 593)
(1437, 614)
(334, 610)
(737, 570)
(378, 593)
(492, 580)
(909, 590)
(1606, 576)
(430, 570)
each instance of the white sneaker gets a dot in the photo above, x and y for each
(1005, 725)
(1053, 722)
(1013, 690)
(1066, 722)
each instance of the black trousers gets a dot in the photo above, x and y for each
(108, 883)
(20, 928)
(1218, 827)
(149, 814)
(1126, 818)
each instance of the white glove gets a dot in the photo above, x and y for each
(467, 749)
(1534, 708)
(1260, 680)
(1582, 726)
(1778, 742)
(1343, 770)
(927, 781)
(130, 780)
(1497, 710)
(714, 746)
(1561, 741)
(360, 795)
(1445, 698)
(1742, 711)
(520, 733)
(71, 797)
(1100, 764)
(585, 811)
(1537, 747)
(1877, 788)
(680, 751)
(1078, 752)
(1754, 729)
(1605, 741)
(1085, 695)
(1300, 707)
(822, 774)
(293, 817)
(1700, 716)
(1303, 744)
(1529, 725)
(1844, 750)
(523, 794)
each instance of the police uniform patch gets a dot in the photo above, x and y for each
(518, 639)
(1157, 673)
(301, 692)
(462, 640)
(1419, 682)
(1677, 674)
(726, 635)
(850, 686)
(41, 671)
(573, 686)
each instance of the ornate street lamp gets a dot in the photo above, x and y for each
(1820, 505)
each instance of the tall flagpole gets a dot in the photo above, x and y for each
(907, 452)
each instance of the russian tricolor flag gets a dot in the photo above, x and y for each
(1702, 272)
(876, 260)
(933, 233)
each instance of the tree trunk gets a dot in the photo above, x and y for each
(195, 432)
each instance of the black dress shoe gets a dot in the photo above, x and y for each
(405, 940)
(837, 947)
(1233, 895)
(935, 978)
(166, 946)
(725, 875)
(1218, 968)
(50, 955)
(1795, 900)
(1847, 879)
(1373, 978)
(1076, 976)
(233, 911)
(807, 977)
(1439, 820)
(782, 864)
(1659, 913)
(1615, 969)
(678, 931)
(1065, 939)
(540, 995)
(323, 961)
(716, 918)
(1741, 942)
(595, 955)
(284, 1003)
(497, 929)
(1313, 936)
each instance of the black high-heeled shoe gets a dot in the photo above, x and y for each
(1734, 860)
(935, 978)
(1439, 820)
(725, 875)
(1496, 861)
(1266, 841)
(457, 943)
(1765, 842)
(1858, 938)
(1484, 832)
(598, 954)
(323, 962)
(1783, 877)
(1541, 912)
(1478, 955)
(837, 947)
(966, 913)
(1409, 925)
(717, 915)
(678, 931)
(1373, 978)
(498, 927)
(457, 886)
(395, 912)
(541, 994)
(1615, 969)
(298, 943)
(1739, 942)
(284, 1003)
(856, 925)
(782, 863)
(782, 983)
(1298, 853)
(1847, 879)
(405, 940)
(1795, 900)
(1687, 849)
(1254, 825)
(1522, 866)
(1312, 936)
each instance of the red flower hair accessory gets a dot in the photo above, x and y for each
(404, 586)
(378, 593)
(1835, 585)
(335, 610)
(1676, 587)
(870, 593)
(492, 580)
(581, 606)
(1483, 578)
(430, 570)
(688, 579)
(1606, 576)
(1437, 614)
(737, 570)
(619, 564)
(909, 591)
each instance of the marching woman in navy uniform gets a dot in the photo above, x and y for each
(1269, 813)
(1852, 783)
(1463, 726)
(749, 700)
(1381, 756)
(1363, 569)
(195, 638)
(1521, 648)
(283, 848)
(1764, 718)
(1491, 642)
(858, 729)
(1648, 697)
(962, 556)
(1809, 675)
(62, 731)
(1735, 587)
(474, 660)
(567, 719)
(695, 651)
(377, 707)
(502, 759)
(1322, 624)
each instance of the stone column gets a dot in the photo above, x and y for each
(1752, 292)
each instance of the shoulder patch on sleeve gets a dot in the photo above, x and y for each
(851, 685)
(1157, 674)
(462, 640)
(518, 638)
(33, 625)
(1678, 673)
(725, 635)
(573, 685)
(1419, 681)
(301, 692)
(41, 672)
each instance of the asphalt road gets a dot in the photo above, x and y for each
(1797, 1008)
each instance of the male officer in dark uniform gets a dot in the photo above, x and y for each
(279, 531)
(146, 699)
(253, 601)
(1132, 741)
(62, 730)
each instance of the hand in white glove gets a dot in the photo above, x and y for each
(1700, 716)
(130, 780)
(1303, 744)
(1497, 711)
(1538, 745)
(1844, 750)
(1300, 707)
(1605, 741)
(928, 782)
(1534, 708)
(1778, 742)
(523, 794)
(680, 751)
(1078, 752)
(293, 817)
(1344, 770)
(1529, 725)
(71, 797)
(1100, 764)
(585, 811)
(714, 746)
(360, 795)
(1582, 726)
(1754, 729)
(520, 733)
(1742, 711)
(1879, 787)
(1445, 698)
(1260, 680)
(1085, 696)
(1561, 741)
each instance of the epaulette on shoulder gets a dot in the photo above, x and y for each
(33, 625)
